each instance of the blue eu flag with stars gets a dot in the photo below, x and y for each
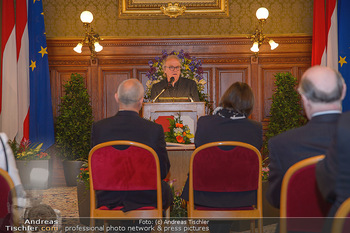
(344, 47)
(41, 128)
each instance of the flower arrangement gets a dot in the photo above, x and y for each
(27, 151)
(178, 207)
(178, 132)
(191, 68)
(265, 173)
(265, 170)
(84, 175)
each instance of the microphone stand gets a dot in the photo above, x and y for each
(169, 85)
(158, 95)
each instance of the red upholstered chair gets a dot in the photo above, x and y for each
(302, 206)
(341, 223)
(7, 196)
(135, 168)
(215, 170)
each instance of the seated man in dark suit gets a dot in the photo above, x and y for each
(128, 125)
(333, 173)
(174, 85)
(322, 90)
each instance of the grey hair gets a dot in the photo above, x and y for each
(312, 93)
(130, 91)
(171, 57)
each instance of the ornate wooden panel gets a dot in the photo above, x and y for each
(141, 75)
(226, 77)
(110, 80)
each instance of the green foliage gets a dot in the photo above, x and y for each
(286, 111)
(73, 125)
(178, 208)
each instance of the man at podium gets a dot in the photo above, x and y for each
(174, 88)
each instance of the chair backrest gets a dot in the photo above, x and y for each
(300, 197)
(132, 169)
(341, 223)
(7, 195)
(213, 169)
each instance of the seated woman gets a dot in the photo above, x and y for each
(229, 122)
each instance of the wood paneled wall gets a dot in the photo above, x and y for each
(225, 61)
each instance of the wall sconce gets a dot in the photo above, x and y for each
(91, 38)
(258, 37)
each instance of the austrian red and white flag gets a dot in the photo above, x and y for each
(14, 110)
(325, 34)
(9, 98)
(22, 70)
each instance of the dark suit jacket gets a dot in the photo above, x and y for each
(333, 173)
(326, 171)
(216, 128)
(294, 145)
(128, 125)
(184, 87)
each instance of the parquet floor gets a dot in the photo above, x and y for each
(63, 199)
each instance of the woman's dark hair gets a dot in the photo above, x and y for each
(239, 97)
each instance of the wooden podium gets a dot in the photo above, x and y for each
(194, 110)
(179, 157)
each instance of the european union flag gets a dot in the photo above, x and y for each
(40, 113)
(344, 47)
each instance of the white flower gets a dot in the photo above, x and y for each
(178, 131)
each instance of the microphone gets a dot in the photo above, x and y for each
(167, 87)
(170, 82)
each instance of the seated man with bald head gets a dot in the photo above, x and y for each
(322, 90)
(128, 125)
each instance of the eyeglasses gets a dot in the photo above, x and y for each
(172, 68)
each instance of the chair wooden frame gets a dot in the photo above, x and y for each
(119, 214)
(13, 194)
(290, 172)
(340, 216)
(256, 213)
